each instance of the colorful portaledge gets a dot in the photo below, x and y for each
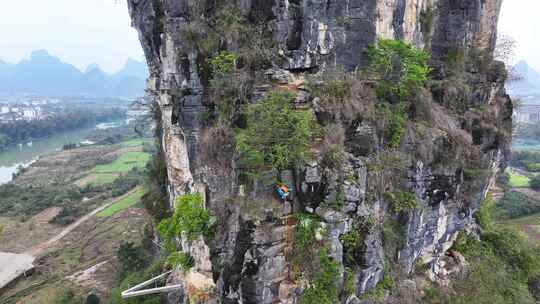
(282, 191)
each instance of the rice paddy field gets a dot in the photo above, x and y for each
(131, 155)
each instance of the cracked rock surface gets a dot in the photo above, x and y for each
(247, 260)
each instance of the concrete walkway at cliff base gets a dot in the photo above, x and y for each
(13, 266)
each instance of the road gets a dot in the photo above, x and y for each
(13, 266)
(41, 248)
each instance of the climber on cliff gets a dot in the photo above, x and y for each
(282, 191)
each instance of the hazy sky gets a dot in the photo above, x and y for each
(78, 31)
(520, 20)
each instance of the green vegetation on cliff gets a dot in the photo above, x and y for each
(137, 265)
(515, 204)
(180, 259)
(401, 201)
(402, 68)
(501, 266)
(402, 71)
(310, 261)
(189, 218)
(277, 136)
(323, 286)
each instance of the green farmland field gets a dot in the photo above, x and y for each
(124, 163)
(127, 201)
(518, 180)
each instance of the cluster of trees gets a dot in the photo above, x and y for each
(21, 130)
(19, 200)
(528, 132)
(524, 159)
(503, 263)
(22, 200)
(515, 204)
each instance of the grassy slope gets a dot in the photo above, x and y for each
(124, 163)
(130, 200)
(135, 142)
(529, 224)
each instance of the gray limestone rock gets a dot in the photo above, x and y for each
(247, 259)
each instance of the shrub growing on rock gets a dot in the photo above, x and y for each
(484, 216)
(401, 201)
(403, 69)
(131, 258)
(230, 87)
(224, 63)
(332, 88)
(323, 287)
(181, 259)
(502, 263)
(333, 147)
(352, 243)
(190, 217)
(277, 136)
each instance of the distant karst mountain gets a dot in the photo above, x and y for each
(48, 75)
(528, 82)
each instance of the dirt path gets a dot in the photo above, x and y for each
(41, 248)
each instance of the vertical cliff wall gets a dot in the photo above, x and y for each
(450, 158)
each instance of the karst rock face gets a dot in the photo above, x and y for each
(246, 261)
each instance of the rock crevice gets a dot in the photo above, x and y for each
(452, 161)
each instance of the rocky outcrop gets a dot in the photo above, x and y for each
(450, 163)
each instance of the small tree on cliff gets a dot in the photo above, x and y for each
(402, 71)
(402, 68)
(189, 218)
(277, 136)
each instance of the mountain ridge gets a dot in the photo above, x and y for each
(46, 74)
(528, 81)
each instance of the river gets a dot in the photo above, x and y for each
(25, 154)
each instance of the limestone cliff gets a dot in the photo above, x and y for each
(451, 157)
